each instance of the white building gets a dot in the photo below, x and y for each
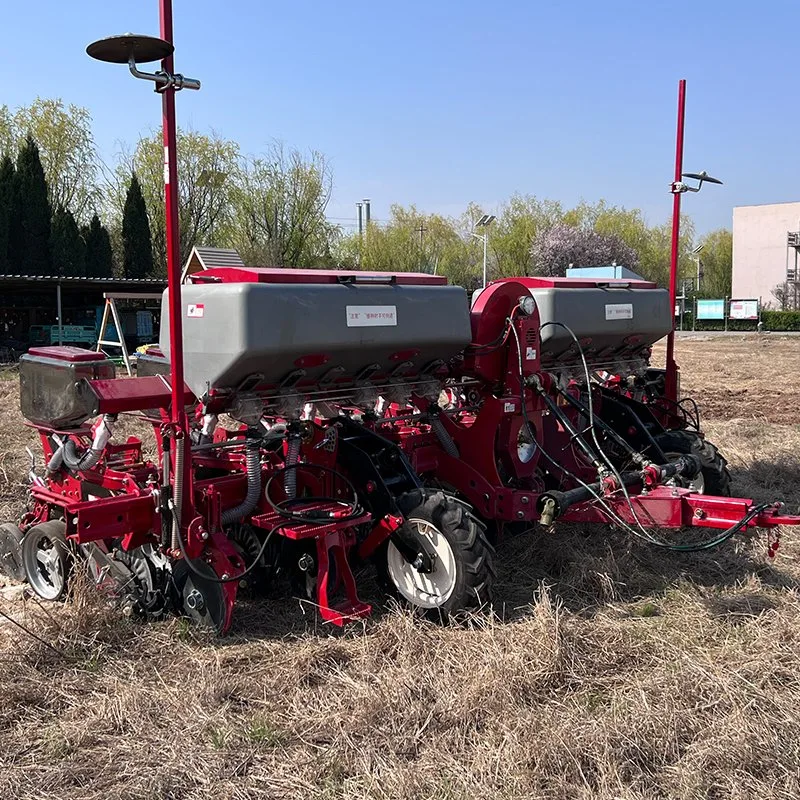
(761, 255)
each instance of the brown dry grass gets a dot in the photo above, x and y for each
(609, 671)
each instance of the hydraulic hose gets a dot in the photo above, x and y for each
(637, 457)
(75, 460)
(56, 460)
(445, 439)
(253, 465)
(561, 501)
(290, 476)
(574, 435)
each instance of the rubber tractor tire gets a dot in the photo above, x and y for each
(11, 552)
(714, 478)
(463, 571)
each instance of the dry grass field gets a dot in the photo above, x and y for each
(608, 670)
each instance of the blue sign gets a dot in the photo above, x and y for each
(710, 309)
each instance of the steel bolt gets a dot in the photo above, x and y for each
(204, 535)
(700, 514)
(194, 601)
(520, 515)
(525, 500)
(305, 563)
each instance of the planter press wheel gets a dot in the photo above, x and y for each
(463, 570)
(46, 559)
(200, 598)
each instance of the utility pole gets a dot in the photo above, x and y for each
(484, 222)
(421, 230)
(58, 311)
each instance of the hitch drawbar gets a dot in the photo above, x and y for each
(553, 504)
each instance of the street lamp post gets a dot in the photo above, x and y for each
(135, 49)
(484, 222)
(696, 254)
(677, 188)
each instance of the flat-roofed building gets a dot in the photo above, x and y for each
(762, 249)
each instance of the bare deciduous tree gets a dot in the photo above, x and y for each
(278, 211)
(208, 167)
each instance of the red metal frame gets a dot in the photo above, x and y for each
(670, 507)
(487, 470)
(180, 423)
(671, 389)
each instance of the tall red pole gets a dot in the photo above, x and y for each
(671, 384)
(179, 419)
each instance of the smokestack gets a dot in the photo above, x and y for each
(360, 220)
(366, 203)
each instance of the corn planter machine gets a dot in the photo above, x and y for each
(376, 419)
(369, 418)
(296, 487)
(553, 412)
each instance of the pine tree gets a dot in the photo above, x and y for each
(34, 212)
(99, 257)
(67, 249)
(7, 214)
(136, 242)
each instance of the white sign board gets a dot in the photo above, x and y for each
(371, 316)
(619, 311)
(744, 309)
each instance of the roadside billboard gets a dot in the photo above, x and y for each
(744, 309)
(710, 309)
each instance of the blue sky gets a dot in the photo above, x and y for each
(441, 103)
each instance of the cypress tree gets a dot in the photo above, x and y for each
(137, 245)
(99, 258)
(34, 212)
(7, 214)
(66, 245)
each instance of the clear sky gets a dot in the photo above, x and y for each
(442, 102)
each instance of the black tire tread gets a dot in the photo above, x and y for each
(11, 552)
(714, 465)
